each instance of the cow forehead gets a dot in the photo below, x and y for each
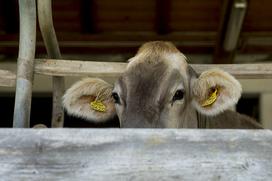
(165, 62)
(172, 59)
(145, 78)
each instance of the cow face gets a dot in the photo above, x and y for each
(157, 90)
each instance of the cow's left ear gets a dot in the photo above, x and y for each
(90, 99)
(214, 91)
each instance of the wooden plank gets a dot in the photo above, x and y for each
(258, 15)
(194, 15)
(234, 26)
(78, 68)
(220, 55)
(7, 78)
(233, 14)
(128, 42)
(119, 42)
(52, 67)
(240, 71)
(141, 154)
(113, 69)
(127, 36)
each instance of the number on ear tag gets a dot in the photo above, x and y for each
(98, 106)
(211, 99)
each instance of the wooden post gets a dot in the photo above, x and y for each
(220, 56)
(53, 51)
(27, 45)
(234, 27)
(232, 17)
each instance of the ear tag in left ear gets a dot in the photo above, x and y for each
(211, 99)
(98, 106)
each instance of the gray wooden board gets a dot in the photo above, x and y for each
(140, 154)
(53, 67)
(7, 78)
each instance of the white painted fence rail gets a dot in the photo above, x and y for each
(139, 154)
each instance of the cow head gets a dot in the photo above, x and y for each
(157, 90)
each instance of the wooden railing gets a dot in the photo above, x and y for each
(55, 67)
(127, 154)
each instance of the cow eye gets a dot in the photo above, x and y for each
(178, 95)
(116, 98)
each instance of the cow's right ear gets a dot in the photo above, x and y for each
(214, 91)
(90, 99)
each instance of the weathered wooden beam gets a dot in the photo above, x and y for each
(139, 154)
(112, 69)
(53, 51)
(119, 42)
(220, 56)
(7, 78)
(27, 45)
(128, 43)
(240, 71)
(232, 17)
(52, 67)
(78, 68)
(234, 27)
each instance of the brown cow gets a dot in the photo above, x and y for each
(160, 90)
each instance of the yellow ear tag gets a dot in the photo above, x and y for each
(98, 106)
(211, 99)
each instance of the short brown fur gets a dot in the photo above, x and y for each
(157, 48)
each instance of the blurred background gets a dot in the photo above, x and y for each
(210, 31)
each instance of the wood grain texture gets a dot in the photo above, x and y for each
(196, 42)
(25, 63)
(78, 68)
(7, 78)
(53, 51)
(112, 69)
(140, 154)
(52, 67)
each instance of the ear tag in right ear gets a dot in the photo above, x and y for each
(98, 106)
(211, 99)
